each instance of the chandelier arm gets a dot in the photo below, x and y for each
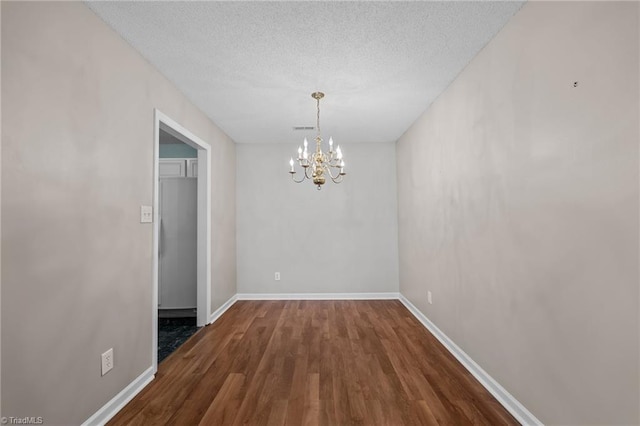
(334, 163)
(297, 181)
(338, 167)
(338, 179)
(333, 178)
(305, 176)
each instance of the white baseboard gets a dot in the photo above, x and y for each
(222, 309)
(507, 400)
(116, 404)
(317, 296)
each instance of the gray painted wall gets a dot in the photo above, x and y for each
(342, 239)
(77, 264)
(518, 209)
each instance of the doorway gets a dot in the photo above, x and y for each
(177, 251)
(186, 240)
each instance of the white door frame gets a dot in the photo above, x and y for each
(162, 121)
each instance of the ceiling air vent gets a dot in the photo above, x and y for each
(303, 128)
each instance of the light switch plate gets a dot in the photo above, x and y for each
(146, 214)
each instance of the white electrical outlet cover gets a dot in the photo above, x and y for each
(107, 361)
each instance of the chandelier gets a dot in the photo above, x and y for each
(318, 165)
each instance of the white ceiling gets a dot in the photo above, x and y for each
(251, 66)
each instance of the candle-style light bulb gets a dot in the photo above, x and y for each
(299, 152)
(305, 144)
(342, 167)
(330, 144)
(304, 155)
(291, 164)
(339, 152)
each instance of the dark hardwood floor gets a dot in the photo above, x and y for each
(313, 362)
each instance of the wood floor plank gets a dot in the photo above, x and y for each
(313, 363)
(278, 413)
(224, 407)
(423, 413)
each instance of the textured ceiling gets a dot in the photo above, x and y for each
(251, 66)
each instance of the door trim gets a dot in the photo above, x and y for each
(164, 122)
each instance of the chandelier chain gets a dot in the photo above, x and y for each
(318, 116)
